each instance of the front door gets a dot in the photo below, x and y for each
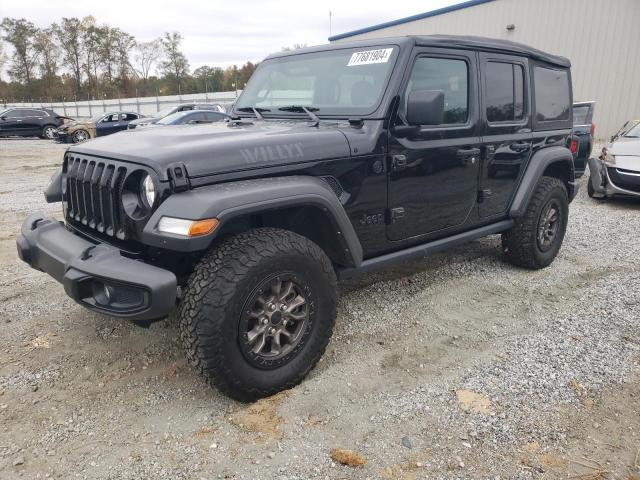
(506, 133)
(433, 176)
(11, 123)
(108, 125)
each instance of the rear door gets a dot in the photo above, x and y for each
(33, 121)
(125, 118)
(433, 176)
(583, 128)
(506, 129)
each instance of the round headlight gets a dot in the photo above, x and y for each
(148, 190)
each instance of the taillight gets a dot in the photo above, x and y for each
(593, 129)
(573, 146)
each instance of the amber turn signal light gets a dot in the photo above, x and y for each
(203, 227)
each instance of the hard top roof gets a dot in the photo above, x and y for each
(444, 41)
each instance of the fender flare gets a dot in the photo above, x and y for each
(536, 167)
(227, 201)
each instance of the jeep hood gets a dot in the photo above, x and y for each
(217, 148)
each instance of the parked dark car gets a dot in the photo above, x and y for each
(29, 122)
(183, 107)
(193, 117)
(339, 160)
(99, 126)
(583, 129)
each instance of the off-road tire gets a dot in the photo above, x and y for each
(520, 244)
(216, 296)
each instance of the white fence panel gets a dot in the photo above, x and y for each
(143, 105)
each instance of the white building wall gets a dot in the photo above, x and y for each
(600, 37)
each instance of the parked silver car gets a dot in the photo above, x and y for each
(617, 170)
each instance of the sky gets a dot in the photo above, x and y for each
(220, 33)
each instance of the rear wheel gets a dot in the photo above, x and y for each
(536, 238)
(258, 312)
(49, 132)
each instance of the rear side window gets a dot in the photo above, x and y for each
(552, 94)
(504, 92)
(449, 75)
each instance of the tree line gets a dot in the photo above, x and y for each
(79, 59)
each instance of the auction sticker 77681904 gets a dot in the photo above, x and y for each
(381, 55)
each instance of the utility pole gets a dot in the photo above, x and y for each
(329, 22)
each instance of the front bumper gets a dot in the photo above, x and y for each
(62, 137)
(97, 276)
(610, 181)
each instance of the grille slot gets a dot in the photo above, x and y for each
(93, 194)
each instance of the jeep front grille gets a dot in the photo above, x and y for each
(92, 194)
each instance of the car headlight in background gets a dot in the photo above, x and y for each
(148, 190)
(607, 157)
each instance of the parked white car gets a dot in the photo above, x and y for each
(617, 170)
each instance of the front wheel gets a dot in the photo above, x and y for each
(258, 312)
(535, 239)
(80, 136)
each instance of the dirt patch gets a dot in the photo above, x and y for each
(347, 457)
(261, 417)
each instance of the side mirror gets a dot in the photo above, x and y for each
(425, 107)
(3, 117)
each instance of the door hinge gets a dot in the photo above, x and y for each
(395, 214)
(398, 162)
(178, 177)
(483, 194)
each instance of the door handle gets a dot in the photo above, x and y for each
(468, 152)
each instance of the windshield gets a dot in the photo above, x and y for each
(337, 82)
(164, 112)
(97, 118)
(633, 132)
(169, 119)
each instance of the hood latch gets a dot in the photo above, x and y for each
(178, 176)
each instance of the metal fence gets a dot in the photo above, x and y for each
(143, 105)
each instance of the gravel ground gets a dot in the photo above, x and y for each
(456, 366)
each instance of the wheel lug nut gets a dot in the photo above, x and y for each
(272, 331)
(263, 320)
(283, 306)
(272, 307)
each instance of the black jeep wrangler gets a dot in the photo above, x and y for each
(338, 160)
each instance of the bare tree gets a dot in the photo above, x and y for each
(175, 64)
(146, 56)
(69, 34)
(20, 34)
(49, 56)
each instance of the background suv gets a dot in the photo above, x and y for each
(29, 122)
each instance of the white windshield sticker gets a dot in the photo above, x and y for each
(370, 56)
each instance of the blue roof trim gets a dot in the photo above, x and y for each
(432, 13)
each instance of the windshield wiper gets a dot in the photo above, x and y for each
(308, 110)
(256, 111)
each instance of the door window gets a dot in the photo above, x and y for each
(15, 114)
(449, 75)
(28, 113)
(129, 117)
(195, 117)
(504, 92)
